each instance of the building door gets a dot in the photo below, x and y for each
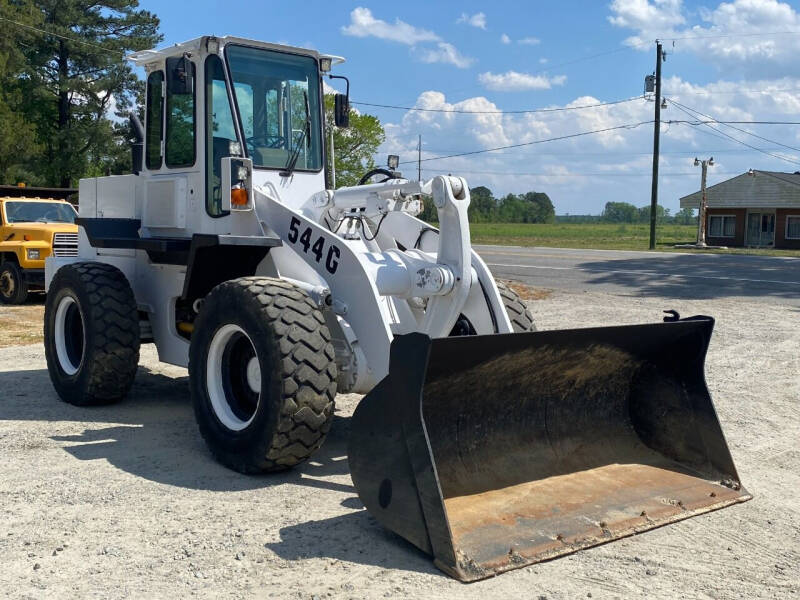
(760, 229)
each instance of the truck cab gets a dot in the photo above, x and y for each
(31, 230)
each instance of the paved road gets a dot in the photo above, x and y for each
(663, 274)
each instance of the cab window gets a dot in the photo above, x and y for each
(155, 122)
(277, 95)
(40, 212)
(179, 145)
(220, 132)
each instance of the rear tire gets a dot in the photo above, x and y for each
(521, 317)
(262, 374)
(13, 287)
(91, 334)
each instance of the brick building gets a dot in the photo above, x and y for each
(756, 209)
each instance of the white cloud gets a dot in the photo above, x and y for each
(477, 20)
(444, 53)
(543, 61)
(644, 15)
(364, 24)
(529, 41)
(513, 81)
(505, 39)
(734, 33)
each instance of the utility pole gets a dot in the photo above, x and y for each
(656, 140)
(701, 216)
(419, 158)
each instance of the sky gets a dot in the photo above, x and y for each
(731, 61)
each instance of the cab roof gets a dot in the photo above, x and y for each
(145, 57)
(14, 192)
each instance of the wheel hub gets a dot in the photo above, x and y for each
(69, 335)
(7, 284)
(254, 375)
(233, 377)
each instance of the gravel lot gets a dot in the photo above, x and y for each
(125, 501)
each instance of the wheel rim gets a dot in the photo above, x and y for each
(7, 284)
(233, 377)
(69, 335)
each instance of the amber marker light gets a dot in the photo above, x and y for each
(239, 196)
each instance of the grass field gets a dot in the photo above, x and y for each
(602, 236)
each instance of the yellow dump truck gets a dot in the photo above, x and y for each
(31, 229)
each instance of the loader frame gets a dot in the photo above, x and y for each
(226, 249)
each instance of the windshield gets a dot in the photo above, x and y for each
(40, 212)
(271, 90)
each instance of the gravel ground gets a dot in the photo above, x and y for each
(125, 501)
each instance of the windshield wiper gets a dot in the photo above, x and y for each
(292, 162)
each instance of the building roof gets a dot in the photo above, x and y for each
(753, 189)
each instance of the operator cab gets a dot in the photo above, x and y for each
(213, 98)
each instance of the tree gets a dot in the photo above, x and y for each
(619, 212)
(16, 135)
(355, 146)
(686, 216)
(541, 208)
(531, 207)
(74, 73)
(482, 205)
(662, 214)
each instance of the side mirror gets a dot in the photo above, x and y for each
(180, 76)
(341, 110)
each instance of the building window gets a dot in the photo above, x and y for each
(793, 227)
(722, 226)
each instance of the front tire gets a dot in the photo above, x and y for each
(13, 287)
(262, 374)
(91, 334)
(521, 317)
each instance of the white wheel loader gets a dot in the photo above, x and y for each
(484, 443)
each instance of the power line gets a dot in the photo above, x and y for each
(498, 112)
(727, 35)
(63, 37)
(687, 152)
(737, 128)
(601, 174)
(553, 139)
(738, 141)
(713, 120)
(733, 92)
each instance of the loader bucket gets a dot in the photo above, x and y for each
(495, 452)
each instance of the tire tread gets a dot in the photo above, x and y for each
(308, 372)
(112, 316)
(521, 317)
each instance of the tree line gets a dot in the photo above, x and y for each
(624, 212)
(530, 207)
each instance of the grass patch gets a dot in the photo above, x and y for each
(20, 325)
(600, 236)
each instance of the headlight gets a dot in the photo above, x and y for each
(33, 254)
